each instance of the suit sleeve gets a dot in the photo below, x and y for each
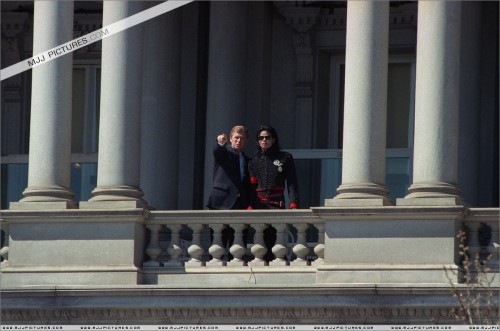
(252, 193)
(292, 185)
(219, 150)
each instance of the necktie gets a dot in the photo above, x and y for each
(242, 166)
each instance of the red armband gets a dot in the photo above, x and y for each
(253, 180)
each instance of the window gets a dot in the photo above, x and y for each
(84, 140)
(86, 100)
(400, 101)
(320, 169)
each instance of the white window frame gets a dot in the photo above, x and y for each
(90, 125)
(90, 133)
(335, 62)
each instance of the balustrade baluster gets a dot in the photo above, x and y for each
(279, 249)
(258, 249)
(216, 249)
(174, 249)
(319, 249)
(238, 248)
(494, 251)
(473, 248)
(195, 250)
(164, 242)
(4, 250)
(300, 248)
(153, 250)
(472, 240)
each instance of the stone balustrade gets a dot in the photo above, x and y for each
(234, 239)
(228, 243)
(303, 247)
(482, 237)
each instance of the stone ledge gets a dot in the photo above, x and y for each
(272, 305)
(123, 290)
(84, 216)
(390, 212)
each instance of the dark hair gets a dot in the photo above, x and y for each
(269, 129)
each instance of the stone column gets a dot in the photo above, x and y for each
(365, 110)
(50, 130)
(120, 122)
(226, 96)
(436, 105)
(160, 110)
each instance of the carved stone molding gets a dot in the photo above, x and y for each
(84, 24)
(303, 51)
(11, 54)
(265, 315)
(14, 23)
(14, 27)
(302, 19)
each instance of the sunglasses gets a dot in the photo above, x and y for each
(265, 137)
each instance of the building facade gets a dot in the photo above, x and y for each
(389, 108)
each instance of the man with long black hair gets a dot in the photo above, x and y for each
(270, 170)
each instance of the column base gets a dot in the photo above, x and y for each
(43, 205)
(432, 194)
(360, 194)
(115, 197)
(114, 204)
(45, 198)
(450, 201)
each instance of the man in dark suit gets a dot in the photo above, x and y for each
(231, 182)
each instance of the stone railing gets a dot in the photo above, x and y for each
(243, 248)
(208, 242)
(481, 236)
(234, 238)
(4, 246)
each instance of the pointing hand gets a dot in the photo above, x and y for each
(222, 138)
